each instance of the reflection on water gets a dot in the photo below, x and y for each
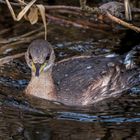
(28, 118)
(31, 118)
(104, 123)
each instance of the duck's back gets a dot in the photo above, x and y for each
(85, 80)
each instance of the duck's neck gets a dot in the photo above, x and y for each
(42, 86)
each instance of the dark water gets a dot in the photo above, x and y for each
(23, 118)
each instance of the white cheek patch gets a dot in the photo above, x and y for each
(48, 67)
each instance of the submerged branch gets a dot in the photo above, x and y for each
(22, 40)
(66, 22)
(20, 37)
(7, 59)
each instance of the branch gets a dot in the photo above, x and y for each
(123, 23)
(7, 59)
(109, 15)
(78, 11)
(20, 37)
(63, 21)
(22, 40)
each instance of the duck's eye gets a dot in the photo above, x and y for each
(30, 57)
(47, 57)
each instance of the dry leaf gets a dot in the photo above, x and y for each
(22, 13)
(42, 12)
(22, 2)
(33, 15)
(26, 8)
(11, 10)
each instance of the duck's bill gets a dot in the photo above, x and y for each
(37, 69)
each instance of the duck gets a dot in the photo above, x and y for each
(75, 81)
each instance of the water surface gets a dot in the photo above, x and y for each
(23, 118)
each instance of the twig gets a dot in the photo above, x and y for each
(83, 24)
(66, 22)
(12, 3)
(128, 13)
(7, 59)
(21, 37)
(8, 29)
(78, 9)
(4, 31)
(123, 23)
(23, 40)
(67, 12)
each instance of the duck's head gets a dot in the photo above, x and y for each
(40, 57)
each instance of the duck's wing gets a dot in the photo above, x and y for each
(73, 76)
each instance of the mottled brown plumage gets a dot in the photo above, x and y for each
(75, 81)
